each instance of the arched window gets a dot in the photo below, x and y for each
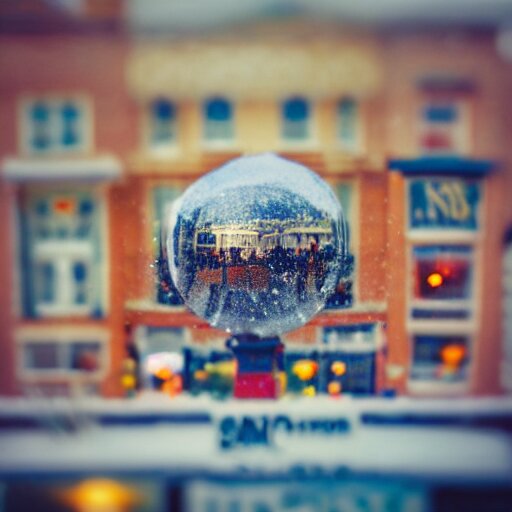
(348, 124)
(162, 123)
(218, 119)
(296, 119)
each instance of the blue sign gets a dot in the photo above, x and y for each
(443, 204)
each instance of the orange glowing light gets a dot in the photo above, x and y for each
(435, 280)
(64, 205)
(163, 374)
(338, 368)
(201, 375)
(305, 369)
(334, 388)
(100, 494)
(452, 355)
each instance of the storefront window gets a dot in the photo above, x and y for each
(442, 272)
(440, 358)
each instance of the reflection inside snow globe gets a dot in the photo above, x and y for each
(257, 246)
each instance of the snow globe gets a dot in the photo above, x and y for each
(256, 248)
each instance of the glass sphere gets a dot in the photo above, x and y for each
(256, 246)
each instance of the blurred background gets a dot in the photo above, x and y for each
(109, 109)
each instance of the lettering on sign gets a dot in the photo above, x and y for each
(262, 430)
(443, 203)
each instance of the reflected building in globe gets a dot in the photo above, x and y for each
(103, 131)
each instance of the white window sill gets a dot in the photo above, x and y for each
(59, 374)
(300, 146)
(437, 327)
(436, 236)
(56, 310)
(162, 153)
(220, 145)
(79, 168)
(437, 388)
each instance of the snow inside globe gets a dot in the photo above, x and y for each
(256, 247)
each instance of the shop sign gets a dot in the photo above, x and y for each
(443, 204)
(265, 430)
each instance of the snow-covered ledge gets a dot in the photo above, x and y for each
(99, 168)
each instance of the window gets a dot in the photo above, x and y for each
(442, 272)
(55, 125)
(162, 125)
(343, 296)
(166, 292)
(440, 358)
(48, 356)
(444, 127)
(61, 253)
(348, 124)
(296, 120)
(218, 120)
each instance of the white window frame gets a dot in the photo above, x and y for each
(461, 130)
(53, 100)
(63, 255)
(64, 337)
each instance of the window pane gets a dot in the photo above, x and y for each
(41, 356)
(166, 292)
(40, 120)
(440, 357)
(162, 122)
(442, 272)
(347, 121)
(218, 109)
(295, 114)
(71, 119)
(45, 277)
(218, 119)
(440, 113)
(85, 356)
(81, 282)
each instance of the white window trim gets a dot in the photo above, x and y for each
(25, 125)
(65, 335)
